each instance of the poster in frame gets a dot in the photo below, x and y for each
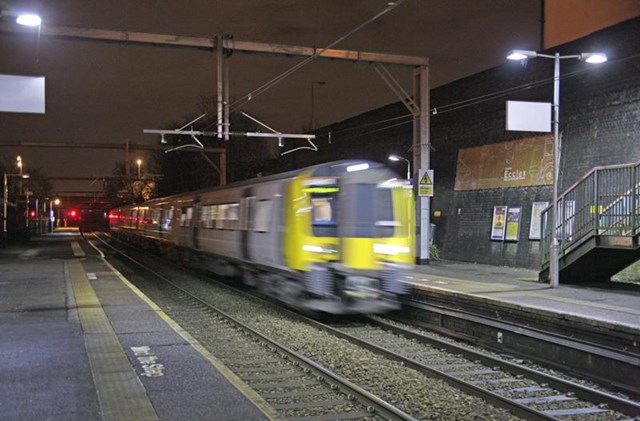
(512, 230)
(535, 227)
(498, 223)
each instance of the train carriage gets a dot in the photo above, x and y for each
(337, 237)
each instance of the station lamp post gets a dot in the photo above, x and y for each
(594, 58)
(5, 199)
(19, 164)
(52, 217)
(399, 158)
(139, 162)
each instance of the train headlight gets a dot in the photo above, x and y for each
(319, 249)
(390, 249)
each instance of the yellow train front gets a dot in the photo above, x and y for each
(350, 233)
(336, 237)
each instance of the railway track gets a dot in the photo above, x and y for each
(301, 382)
(524, 391)
(607, 359)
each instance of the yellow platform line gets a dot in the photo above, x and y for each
(121, 395)
(77, 250)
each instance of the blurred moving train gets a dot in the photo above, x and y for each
(336, 237)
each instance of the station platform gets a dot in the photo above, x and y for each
(613, 305)
(79, 342)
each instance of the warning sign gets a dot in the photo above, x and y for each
(425, 187)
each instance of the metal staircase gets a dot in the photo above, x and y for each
(598, 225)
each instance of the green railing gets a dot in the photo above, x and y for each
(604, 202)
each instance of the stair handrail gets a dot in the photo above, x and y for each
(598, 210)
(593, 170)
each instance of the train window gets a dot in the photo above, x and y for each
(220, 216)
(142, 221)
(209, 216)
(384, 221)
(213, 216)
(262, 216)
(167, 217)
(324, 212)
(231, 216)
(186, 216)
(228, 216)
(154, 216)
(205, 216)
(367, 211)
(161, 219)
(189, 218)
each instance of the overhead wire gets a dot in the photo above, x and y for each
(260, 90)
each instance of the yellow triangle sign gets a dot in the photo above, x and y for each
(425, 180)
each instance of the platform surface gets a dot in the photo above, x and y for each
(80, 343)
(616, 304)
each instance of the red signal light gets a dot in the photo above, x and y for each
(73, 213)
(32, 214)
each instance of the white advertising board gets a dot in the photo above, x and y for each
(21, 94)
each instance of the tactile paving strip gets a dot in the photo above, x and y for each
(121, 395)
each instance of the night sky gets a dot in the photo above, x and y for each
(109, 92)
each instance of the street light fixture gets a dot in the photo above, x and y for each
(52, 216)
(393, 157)
(594, 58)
(29, 19)
(5, 199)
(26, 19)
(139, 162)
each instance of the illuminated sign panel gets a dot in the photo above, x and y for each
(518, 163)
(21, 94)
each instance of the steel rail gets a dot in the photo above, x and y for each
(580, 348)
(592, 395)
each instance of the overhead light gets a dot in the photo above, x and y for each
(29, 19)
(394, 158)
(521, 54)
(357, 167)
(593, 58)
(25, 176)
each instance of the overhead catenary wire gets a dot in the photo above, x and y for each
(266, 86)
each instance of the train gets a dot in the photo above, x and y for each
(334, 238)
